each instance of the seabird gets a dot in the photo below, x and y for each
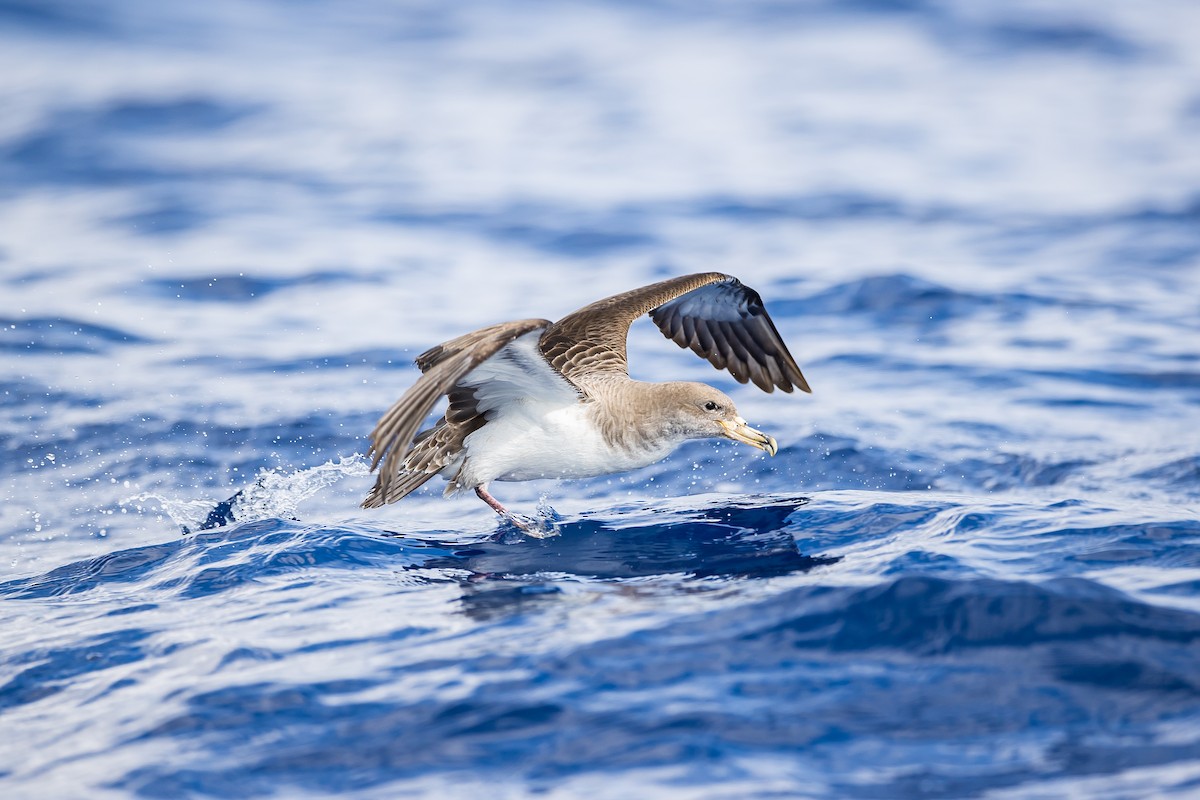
(538, 399)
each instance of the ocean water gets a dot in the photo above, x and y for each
(971, 571)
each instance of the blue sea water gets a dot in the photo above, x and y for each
(971, 571)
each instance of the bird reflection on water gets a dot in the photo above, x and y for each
(725, 541)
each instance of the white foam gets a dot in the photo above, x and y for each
(275, 493)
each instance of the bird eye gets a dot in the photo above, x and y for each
(711, 406)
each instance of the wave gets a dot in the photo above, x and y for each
(809, 671)
(61, 335)
(743, 540)
(241, 287)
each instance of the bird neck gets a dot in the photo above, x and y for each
(631, 414)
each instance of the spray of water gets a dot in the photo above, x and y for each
(274, 493)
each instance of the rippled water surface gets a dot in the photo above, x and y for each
(972, 570)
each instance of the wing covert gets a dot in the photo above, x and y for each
(592, 339)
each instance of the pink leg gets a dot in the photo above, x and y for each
(527, 525)
(493, 502)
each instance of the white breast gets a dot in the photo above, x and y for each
(537, 425)
(529, 442)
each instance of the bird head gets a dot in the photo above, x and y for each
(702, 412)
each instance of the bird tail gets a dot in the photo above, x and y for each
(436, 450)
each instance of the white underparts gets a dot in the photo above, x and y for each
(528, 441)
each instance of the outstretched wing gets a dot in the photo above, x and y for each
(443, 367)
(726, 323)
(713, 314)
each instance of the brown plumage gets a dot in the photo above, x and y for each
(532, 398)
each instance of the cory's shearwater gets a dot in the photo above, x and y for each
(539, 399)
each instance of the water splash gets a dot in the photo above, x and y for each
(274, 493)
(545, 524)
